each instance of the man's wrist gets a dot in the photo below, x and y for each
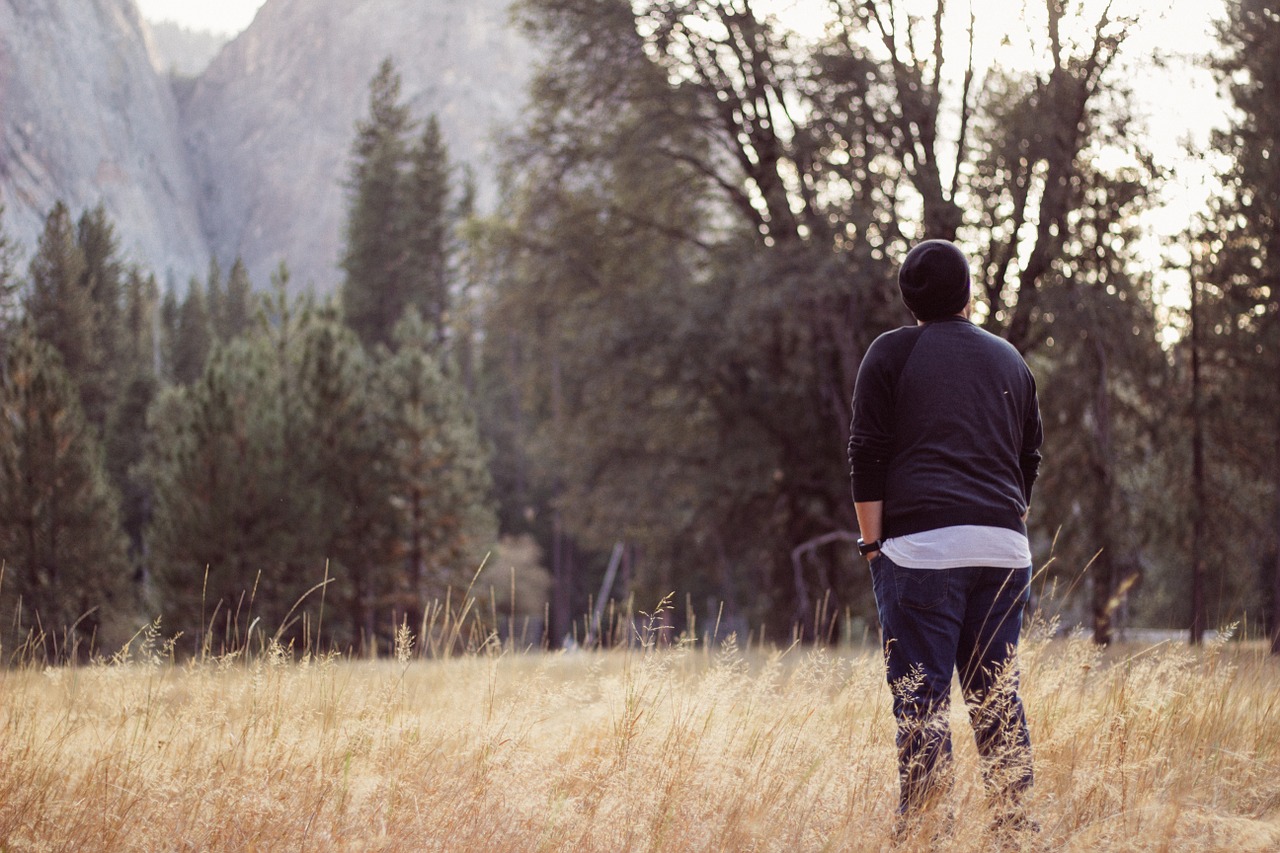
(868, 549)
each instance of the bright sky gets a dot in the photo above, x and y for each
(1177, 98)
(220, 16)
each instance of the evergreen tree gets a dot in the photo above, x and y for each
(139, 333)
(170, 309)
(61, 307)
(124, 444)
(375, 291)
(126, 434)
(437, 478)
(427, 230)
(215, 299)
(103, 279)
(237, 311)
(344, 476)
(222, 530)
(59, 536)
(293, 450)
(192, 337)
(1236, 272)
(469, 280)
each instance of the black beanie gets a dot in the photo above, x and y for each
(934, 280)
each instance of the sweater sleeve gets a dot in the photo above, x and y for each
(1032, 437)
(871, 431)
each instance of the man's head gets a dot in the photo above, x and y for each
(934, 280)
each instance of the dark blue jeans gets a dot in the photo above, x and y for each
(938, 621)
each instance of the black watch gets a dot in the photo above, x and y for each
(865, 548)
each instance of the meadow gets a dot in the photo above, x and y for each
(648, 747)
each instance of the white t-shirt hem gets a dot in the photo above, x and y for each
(960, 546)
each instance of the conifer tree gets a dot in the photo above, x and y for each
(375, 291)
(467, 285)
(215, 299)
(192, 336)
(170, 308)
(124, 443)
(237, 309)
(223, 521)
(103, 280)
(437, 472)
(126, 434)
(426, 228)
(64, 555)
(59, 304)
(294, 449)
(140, 335)
(344, 474)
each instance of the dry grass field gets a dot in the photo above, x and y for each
(648, 748)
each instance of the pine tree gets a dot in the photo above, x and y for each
(124, 444)
(170, 309)
(64, 555)
(344, 475)
(437, 472)
(193, 336)
(427, 230)
(103, 279)
(375, 290)
(223, 526)
(62, 308)
(215, 299)
(126, 434)
(239, 515)
(139, 336)
(237, 310)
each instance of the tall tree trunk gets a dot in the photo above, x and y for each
(1275, 577)
(1104, 576)
(1197, 478)
(561, 556)
(562, 583)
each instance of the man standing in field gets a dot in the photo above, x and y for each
(943, 451)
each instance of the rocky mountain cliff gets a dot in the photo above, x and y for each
(269, 124)
(85, 118)
(251, 158)
(182, 52)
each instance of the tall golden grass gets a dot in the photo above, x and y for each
(649, 747)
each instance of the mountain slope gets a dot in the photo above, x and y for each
(85, 118)
(269, 125)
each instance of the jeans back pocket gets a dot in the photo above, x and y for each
(922, 589)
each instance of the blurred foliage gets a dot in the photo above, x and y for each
(648, 349)
(701, 240)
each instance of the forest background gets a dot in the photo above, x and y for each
(633, 378)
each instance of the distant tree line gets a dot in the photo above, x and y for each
(230, 460)
(643, 360)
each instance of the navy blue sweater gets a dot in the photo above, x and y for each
(946, 429)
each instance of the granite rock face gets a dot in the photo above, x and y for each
(85, 118)
(181, 52)
(250, 158)
(269, 125)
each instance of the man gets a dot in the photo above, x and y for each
(943, 451)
